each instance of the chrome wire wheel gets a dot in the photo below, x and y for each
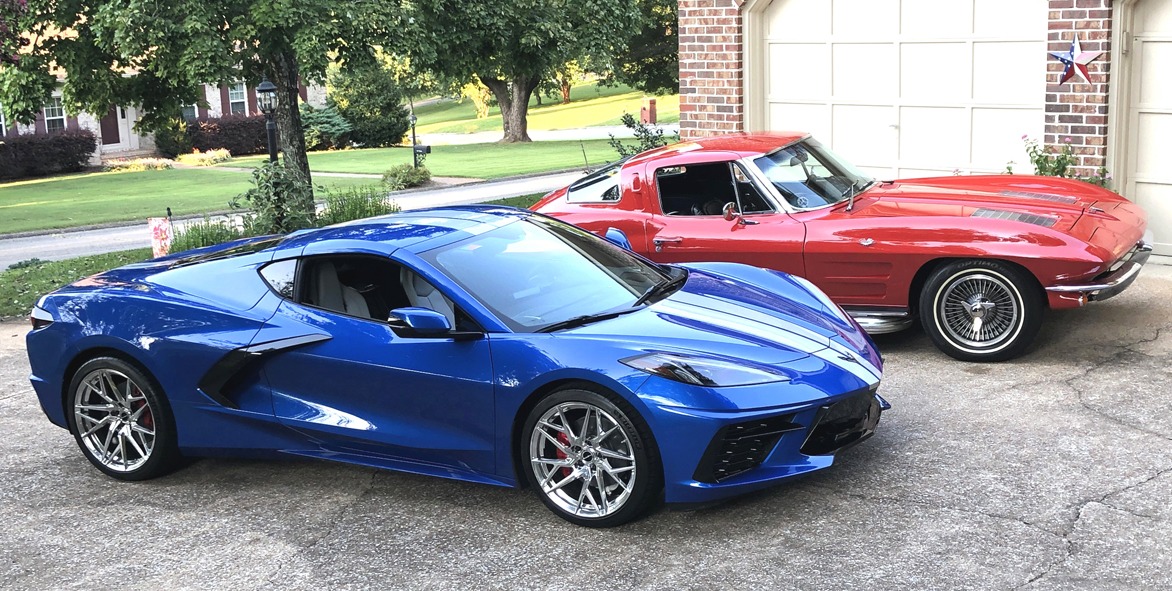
(583, 460)
(114, 420)
(979, 310)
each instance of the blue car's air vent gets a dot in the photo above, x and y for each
(843, 424)
(1017, 216)
(740, 447)
(1043, 196)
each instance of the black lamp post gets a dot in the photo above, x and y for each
(266, 99)
(414, 143)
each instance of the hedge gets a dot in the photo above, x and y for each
(236, 133)
(38, 155)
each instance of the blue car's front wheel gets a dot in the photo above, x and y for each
(592, 462)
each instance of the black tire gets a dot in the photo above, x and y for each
(979, 310)
(126, 427)
(592, 464)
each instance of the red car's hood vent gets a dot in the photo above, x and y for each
(1017, 216)
(1067, 199)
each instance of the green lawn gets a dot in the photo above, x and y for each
(591, 105)
(482, 161)
(94, 198)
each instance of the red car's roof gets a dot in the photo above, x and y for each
(744, 144)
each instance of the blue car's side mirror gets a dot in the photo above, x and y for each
(419, 322)
(618, 238)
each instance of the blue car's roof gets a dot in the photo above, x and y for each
(417, 230)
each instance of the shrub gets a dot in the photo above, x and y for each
(325, 128)
(37, 155)
(173, 139)
(281, 200)
(236, 133)
(137, 164)
(1060, 163)
(368, 98)
(205, 158)
(647, 136)
(199, 234)
(355, 203)
(404, 176)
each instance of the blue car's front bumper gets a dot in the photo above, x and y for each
(711, 455)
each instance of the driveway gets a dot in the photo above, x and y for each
(1050, 472)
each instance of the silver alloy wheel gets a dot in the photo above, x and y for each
(980, 311)
(583, 460)
(114, 420)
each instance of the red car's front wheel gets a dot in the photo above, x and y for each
(981, 310)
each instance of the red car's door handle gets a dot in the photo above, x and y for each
(659, 242)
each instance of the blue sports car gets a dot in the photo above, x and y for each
(479, 343)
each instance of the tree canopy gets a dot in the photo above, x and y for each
(651, 61)
(511, 45)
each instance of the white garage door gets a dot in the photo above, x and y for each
(1149, 176)
(909, 87)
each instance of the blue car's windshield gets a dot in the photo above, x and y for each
(537, 272)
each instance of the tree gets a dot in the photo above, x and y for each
(651, 61)
(366, 95)
(158, 54)
(511, 45)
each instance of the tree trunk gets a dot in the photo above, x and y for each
(513, 98)
(290, 133)
(565, 84)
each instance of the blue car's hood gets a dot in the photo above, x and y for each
(747, 313)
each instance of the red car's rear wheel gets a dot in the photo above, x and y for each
(981, 310)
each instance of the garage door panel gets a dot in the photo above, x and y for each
(865, 70)
(1153, 132)
(800, 71)
(921, 139)
(1152, 15)
(1156, 199)
(865, 18)
(797, 117)
(1001, 75)
(937, 18)
(929, 72)
(1009, 19)
(799, 19)
(1155, 85)
(863, 134)
(997, 138)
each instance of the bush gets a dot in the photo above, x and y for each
(355, 203)
(236, 133)
(368, 98)
(325, 128)
(173, 139)
(205, 233)
(137, 165)
(647, 136)
(281, 200)
(205, 158)
(38, 155)
(404, 176)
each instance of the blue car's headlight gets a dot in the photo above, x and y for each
(702, 371)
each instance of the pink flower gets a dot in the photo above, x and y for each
(1025, 136)
(1066, 140)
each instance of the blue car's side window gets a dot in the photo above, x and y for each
(280, 276)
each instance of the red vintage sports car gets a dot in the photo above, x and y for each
(977, 258)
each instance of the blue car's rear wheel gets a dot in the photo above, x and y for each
(592, 462)
(120, 420)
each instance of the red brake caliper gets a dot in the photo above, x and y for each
(564, 440)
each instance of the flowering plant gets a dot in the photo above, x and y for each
(1060, 163)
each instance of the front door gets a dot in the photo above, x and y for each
(115, 129)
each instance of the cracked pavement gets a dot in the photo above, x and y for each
(1053, 471)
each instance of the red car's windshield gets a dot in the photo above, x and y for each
(808, 175)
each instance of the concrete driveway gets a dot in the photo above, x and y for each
(1050, 472)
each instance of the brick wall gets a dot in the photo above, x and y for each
(1077, 110)
(711, 70)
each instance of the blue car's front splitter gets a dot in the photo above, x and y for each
(728, 455)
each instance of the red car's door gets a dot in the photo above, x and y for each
(686, 195)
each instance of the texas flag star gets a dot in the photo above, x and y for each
(1074, 59)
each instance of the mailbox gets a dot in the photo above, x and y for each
(422, 149)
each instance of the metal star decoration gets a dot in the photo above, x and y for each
(1076, 59)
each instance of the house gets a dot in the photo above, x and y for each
(115, 129)
(928, 87)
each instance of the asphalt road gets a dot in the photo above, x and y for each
(1050, 472)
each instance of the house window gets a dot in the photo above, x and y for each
(237, 99)
(54, 115)
(189, 112)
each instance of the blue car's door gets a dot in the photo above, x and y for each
(368, 391)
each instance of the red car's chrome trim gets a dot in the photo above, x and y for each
(1114, 282)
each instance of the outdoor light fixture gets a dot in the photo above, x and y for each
(266, 100)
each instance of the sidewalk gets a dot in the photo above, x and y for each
(63, 244)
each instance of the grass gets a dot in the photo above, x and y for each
(482, 161)
(590, 105)
(20, 288)
(523, 201)
(95, 198)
